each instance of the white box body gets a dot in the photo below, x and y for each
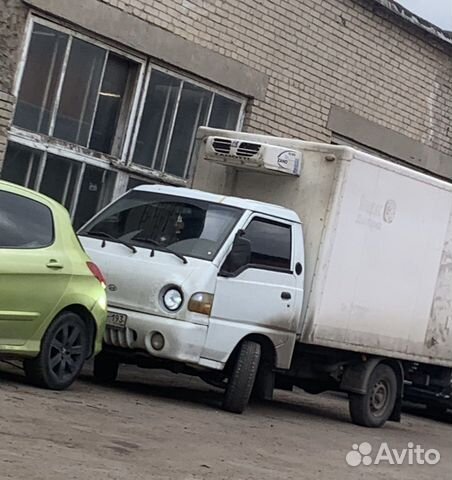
(378, 247)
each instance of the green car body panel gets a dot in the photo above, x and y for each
(33, 294)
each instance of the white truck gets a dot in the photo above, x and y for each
(343, 282)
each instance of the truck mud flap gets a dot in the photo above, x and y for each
(356, 377)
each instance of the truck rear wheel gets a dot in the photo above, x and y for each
(375, 407)
(241, 381)
(105, 368)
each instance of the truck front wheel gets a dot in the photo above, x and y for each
(375, 407)
(241, 380)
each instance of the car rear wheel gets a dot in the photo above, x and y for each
(63, 352)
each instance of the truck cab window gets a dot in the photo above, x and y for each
(270, 243)
(193, 228)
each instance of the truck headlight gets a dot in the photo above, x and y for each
(172, 299)
(201, 302)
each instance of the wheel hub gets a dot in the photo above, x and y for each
(379, 397)
(66, 354)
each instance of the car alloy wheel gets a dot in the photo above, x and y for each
(64, 348)
(66, 351)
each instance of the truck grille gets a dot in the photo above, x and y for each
(120, 338)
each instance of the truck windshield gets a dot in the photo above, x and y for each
(189, 227)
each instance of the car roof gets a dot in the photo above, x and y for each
(243, 203)
(32, 194)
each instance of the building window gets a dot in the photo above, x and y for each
(136, 182)
(38, 89)
(88, 119)
(76, 91)
(21, 165)
(82, 188)
(173, 110)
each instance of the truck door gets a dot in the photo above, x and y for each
(265, 295)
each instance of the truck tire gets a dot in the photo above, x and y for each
(106, 368)
(241, 381)
(64, 348)
(375, 407)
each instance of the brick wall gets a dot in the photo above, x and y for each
(12, 24)
(318, 53)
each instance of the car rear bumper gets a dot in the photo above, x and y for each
(183, 341)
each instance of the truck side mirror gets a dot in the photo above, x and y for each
(239, 256)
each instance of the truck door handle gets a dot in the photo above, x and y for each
(286, 296)
(54, 265)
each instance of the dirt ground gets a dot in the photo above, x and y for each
(158, 425)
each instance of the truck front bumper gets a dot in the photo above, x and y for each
(183, 341)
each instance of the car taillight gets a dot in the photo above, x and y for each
(95, 270)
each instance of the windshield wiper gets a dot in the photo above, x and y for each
(157, 246)
(111, 237)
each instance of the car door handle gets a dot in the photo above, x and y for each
(54, 265)
(286, 296)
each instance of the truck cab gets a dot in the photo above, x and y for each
(200, 283)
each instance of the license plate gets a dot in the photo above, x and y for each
(117, 320)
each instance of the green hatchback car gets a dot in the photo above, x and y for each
(52, 297)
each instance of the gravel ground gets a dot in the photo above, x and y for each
(152, 424)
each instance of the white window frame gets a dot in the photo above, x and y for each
(139, 60)
(183, 78)
(46, 143)
(123, 164)
(34, 142)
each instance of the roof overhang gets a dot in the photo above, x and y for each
(414, 19)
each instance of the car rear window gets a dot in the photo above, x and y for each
(24, 223)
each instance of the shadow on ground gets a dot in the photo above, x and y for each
(180, 388)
